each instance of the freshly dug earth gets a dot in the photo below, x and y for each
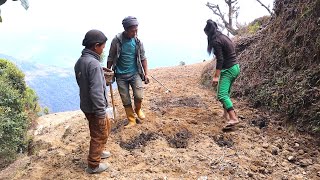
(180, 139)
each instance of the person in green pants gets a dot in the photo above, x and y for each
(227, 68)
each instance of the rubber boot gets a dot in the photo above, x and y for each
(130, 116)
(138, 110)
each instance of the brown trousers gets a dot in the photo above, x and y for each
(99, 136)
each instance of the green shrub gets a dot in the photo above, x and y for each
(254, 27)
(18, 105)
(13, 75)
(46, 110)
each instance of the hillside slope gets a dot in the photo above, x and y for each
(280, 64)
(180, 139)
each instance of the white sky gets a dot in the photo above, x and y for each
(175, 22)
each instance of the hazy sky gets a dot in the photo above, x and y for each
(163, 24)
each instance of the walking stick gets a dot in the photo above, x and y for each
(112, 100)
(167, 90)
(108, 75)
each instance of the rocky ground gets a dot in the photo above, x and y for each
(180, 139)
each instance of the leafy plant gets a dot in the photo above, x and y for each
(18, 105)
(46, 110)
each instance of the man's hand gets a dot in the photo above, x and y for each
(105, 69)
(146, 79)
(108, 75)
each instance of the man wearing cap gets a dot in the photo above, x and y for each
(127, 59)
(93, 98)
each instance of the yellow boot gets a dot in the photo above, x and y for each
(130, 116)
(138, 111)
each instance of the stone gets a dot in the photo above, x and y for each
(301, 152)
(305, 162)
(285, 153)
(262, 170)
(254, 168)
(298, 177)
(290, 149)
(279, 146)
(265, 145)
(279, 140)
(275, 151)
(257, 130)
(203, 178)
(291, 158)
(284, 164)
(284, 178)
(113, 174)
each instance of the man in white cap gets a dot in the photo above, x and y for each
(127, 59)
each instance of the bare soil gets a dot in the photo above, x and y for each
(181, 138)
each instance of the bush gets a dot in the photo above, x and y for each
(182, 63)
(18, 103)
(13, 75)
(254, 28)
(46, 110)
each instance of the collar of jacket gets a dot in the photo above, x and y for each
(120, 38)
(88, 52)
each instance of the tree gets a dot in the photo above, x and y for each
(18, 105)
(233, 13)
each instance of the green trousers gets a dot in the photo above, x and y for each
(227, 77)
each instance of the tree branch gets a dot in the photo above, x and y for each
(232, 10)
(267, 8)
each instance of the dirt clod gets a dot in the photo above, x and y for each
(223, 141)
(180, 140)
(260, 122)
(138, 142)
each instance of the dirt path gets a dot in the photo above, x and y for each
(181, 139)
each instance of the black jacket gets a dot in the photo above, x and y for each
(224, 50)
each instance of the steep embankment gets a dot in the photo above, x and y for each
(181, 139)
(280, 64)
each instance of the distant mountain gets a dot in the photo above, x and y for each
(56, 87)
